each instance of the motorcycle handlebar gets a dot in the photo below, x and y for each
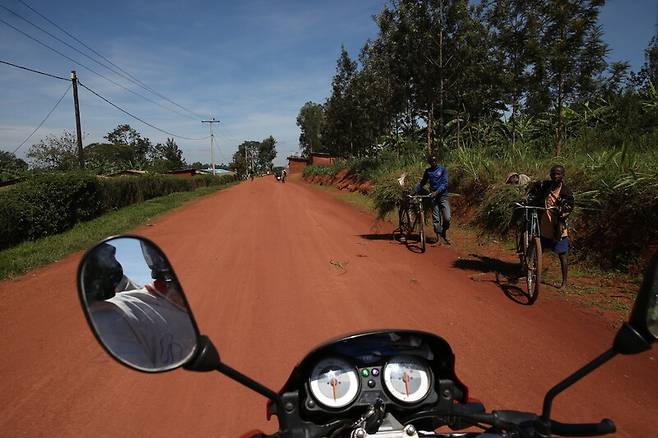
(603, 427)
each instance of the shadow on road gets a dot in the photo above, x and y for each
(506, 275)
(388, 236)
(412, 243)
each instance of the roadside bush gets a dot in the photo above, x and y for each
(46, 204)
(388, 191)
(53, 202)
(330, 170)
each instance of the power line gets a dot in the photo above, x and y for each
(44, 120)
(137, 118)
(137, 81)
(34, 71)
(91, 70)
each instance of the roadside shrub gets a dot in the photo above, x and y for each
(495, 212)
(46, 204)
(53, 202)
(330, 170)
(387, 190)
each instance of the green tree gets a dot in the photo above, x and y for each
(340, 109)
(141, 146)
(569, 55)
(55, 153)
(266, 154)
(245, 159)
(311, 123)
(11, 167)
(514, 28)
(108, 157)
(649, 72)
(167, 156)
(439, 59)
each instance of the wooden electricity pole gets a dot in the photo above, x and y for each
(74, 82)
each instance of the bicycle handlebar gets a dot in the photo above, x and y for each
(531, 207)
(418, 196)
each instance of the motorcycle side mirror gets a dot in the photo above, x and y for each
(635, 336)
(138, 312)
(135, 305)
(641, 330)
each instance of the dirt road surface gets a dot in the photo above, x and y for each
(271, 270)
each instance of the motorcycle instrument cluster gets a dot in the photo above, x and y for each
(407, 379)
(334, 383)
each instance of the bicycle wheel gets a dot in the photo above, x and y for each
(420, 220)
(404, 222)
(523, 249)
(534, 263)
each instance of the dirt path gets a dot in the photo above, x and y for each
(271, 270)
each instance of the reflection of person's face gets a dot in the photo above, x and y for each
(102, 273)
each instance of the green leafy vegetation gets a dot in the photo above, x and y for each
(493, 88)
(51, 203)
(32, 254)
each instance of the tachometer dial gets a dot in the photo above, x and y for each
(334, 383)
(407, 378)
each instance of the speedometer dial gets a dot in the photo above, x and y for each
(407, 378)
(334, 383)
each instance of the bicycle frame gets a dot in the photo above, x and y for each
(529, 249)
(412, 218)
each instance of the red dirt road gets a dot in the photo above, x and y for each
(271, 270)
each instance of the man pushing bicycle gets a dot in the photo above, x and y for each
(437, 176)
(557, 198)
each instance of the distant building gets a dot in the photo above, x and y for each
(321, 159)
(183, 172)
(296, 164)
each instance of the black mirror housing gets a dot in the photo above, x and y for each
(644, 316)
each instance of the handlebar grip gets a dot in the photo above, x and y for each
(604, 427)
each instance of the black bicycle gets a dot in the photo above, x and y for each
(411, 219)
(528, 247)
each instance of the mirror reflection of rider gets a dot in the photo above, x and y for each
(103, 274)
(148, 327)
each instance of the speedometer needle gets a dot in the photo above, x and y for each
(405, 379)
(333, 382)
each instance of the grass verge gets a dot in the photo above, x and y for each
(33, 254)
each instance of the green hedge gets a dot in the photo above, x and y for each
(51, 203)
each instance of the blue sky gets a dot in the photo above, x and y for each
(251, 64)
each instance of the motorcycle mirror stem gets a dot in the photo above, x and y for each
(633, 337)
(207, 359)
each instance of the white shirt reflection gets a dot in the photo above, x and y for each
(148, 327)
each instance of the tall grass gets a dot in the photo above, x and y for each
(616, 190)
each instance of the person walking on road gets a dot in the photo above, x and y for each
(437, 176)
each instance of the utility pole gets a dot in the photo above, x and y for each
(74, 81)
(246, 163)
(212, 142)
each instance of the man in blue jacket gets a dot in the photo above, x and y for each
(437, 176)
